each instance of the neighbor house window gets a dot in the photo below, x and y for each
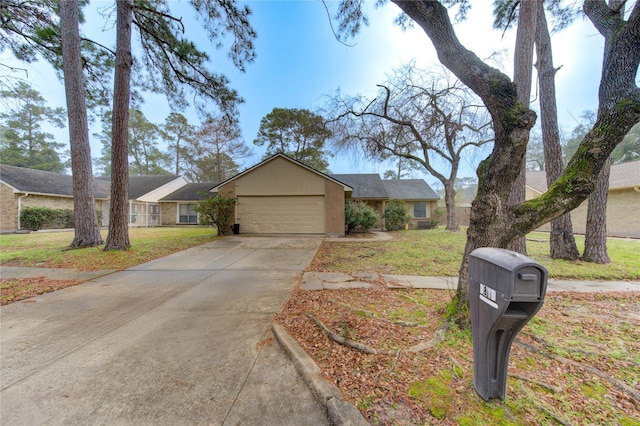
(420, 210)
(187, 213)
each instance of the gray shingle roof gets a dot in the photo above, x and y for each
(38, 181)
(409, 189)
(367, 186)
(190, 192)
(625, 175)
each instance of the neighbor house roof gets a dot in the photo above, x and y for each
(33, 181)
(190, 192)
(367, 186)
(624, 175)
(409, 189)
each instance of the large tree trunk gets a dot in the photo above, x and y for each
(118, 238)
(493, 222)
(522, 75)
(595, 239)
(595, 242)
(562, 242)
(87, 231)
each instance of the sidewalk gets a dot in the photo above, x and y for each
(337, 280)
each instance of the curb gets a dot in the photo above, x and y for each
(339, 412)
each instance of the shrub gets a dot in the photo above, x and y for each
(216, 211)
(359, 216)
(396, 215)
(36, 218)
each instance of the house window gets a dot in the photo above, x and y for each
(420, 210)
(187, 213)
(154, 214)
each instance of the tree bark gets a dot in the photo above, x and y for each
(595, 239)
(493, 222)
(450, 203)
(595, 242)
(118, 238)
(562, 242)
(522, 75)
(87, 231)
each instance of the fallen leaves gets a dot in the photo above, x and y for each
(15, 289)
(588, 337)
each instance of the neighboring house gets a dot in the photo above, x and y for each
(178, 208)
(277, 196)
(421, 199)
(21, 187)
(623, 201)
(144, 195)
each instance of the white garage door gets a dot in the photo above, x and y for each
(281, 215)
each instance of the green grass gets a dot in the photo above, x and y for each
(50, 249)
(437, 252)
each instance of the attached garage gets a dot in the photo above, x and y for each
(282, 215)
(283, 196)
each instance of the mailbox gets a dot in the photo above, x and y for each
(506, 289)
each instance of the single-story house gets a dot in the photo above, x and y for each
(178, 208)
(421, 199)
(283, 196)
(623, 200)
(277, 196)
(144, 195)
(21, 187)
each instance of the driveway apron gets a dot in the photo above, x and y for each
(180, 340)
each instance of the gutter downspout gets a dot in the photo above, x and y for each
(20, 208)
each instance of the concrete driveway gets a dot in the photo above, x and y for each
(180, 340)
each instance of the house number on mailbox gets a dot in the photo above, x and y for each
(488, 295)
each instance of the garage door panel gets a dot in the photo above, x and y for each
(277, 215)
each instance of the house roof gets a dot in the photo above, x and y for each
(367, 186)
(409, 189)
(190, 192)
(623, 175)
(286, 157)
(141, 185)
(33, 181)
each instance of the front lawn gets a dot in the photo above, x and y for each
(436, 252)
(49, 249)
(576, 362)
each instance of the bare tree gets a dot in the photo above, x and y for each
(428, 122)
(494, 222)
(214, 151)
(87, 231)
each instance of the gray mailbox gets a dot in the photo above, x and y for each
(506, 289)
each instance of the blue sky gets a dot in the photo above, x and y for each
(299, 63)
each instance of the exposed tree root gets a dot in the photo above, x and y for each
(616, 383)
(342, 340)
(437, 338)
